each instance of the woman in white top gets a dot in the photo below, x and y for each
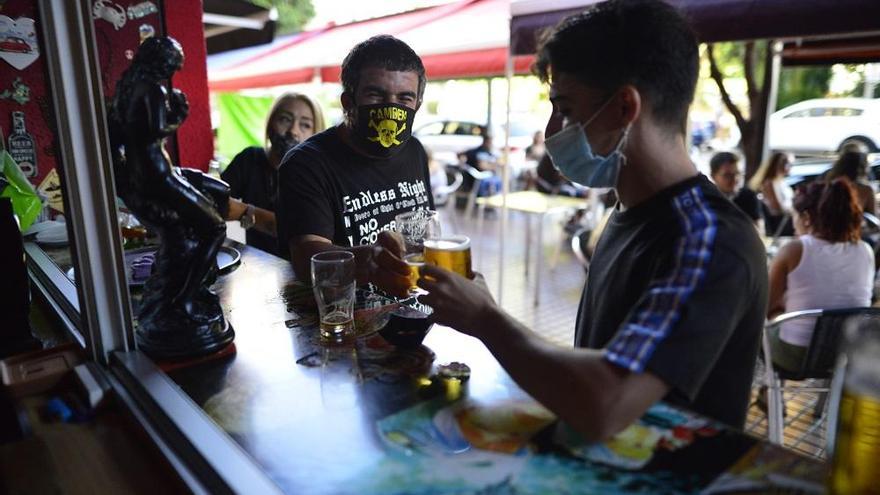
(826, 267)
(769, 181)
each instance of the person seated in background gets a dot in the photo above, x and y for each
(548, 180)
(676, 294)
(253, 174)
(776, 195)
(724, 168)
(484, 159)
(854, 166)
(826, 267)
(535, 151)
(342, 188)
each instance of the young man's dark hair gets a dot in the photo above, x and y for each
(721, 159)
(382, 51)
(645, 43)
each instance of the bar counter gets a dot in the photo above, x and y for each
(376, 419)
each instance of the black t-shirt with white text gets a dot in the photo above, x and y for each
(678, 287)
(328, 189)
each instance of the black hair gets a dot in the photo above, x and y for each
(721, 159)
(646, 43)
(850, 164)
(382, 51)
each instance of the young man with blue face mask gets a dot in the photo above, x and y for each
(674, 304)
(342, 188)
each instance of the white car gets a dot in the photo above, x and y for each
(826, 125)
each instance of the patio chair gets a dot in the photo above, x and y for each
(819, 363)
(579, 241)
(871, 229)
(477, 176)
(444, 196)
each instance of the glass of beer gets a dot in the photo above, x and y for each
(333, 283)
(450, 252)
(857, 441)
(416, 227)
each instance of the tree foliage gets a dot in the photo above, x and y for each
(752, 59)
(749, 60)
(802, 83)
(292, 14)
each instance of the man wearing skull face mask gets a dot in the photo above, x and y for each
(674, 304)
(342, 188)
(253, 174)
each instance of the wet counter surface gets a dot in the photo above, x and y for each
(342, 420)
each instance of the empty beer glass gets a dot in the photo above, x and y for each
(416, 227)
(333, 283)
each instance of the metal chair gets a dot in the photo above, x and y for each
(819, 362)
(444, 196)
(579, 242)
(478, 177)
(871, 229)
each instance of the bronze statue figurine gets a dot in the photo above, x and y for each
(179, 316)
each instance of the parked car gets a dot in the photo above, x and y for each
(14, 44)
(446, 138)
(826, 125)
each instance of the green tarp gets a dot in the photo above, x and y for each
(242, 123)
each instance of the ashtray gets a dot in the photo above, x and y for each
(406, 327)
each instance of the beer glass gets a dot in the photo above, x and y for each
(857, 442)
(333, 283)
(450, 252)
(416, 227)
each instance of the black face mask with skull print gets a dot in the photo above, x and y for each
(382, 129)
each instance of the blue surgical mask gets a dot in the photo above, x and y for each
(572, 154)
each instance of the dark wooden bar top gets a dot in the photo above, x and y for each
(312, 416)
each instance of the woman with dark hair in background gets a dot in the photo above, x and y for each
(854, 166)
(826, 267)
(253, 174)
(776, 195)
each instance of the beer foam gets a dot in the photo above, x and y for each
(449, 243)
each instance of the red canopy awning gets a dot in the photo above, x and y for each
(468, 38)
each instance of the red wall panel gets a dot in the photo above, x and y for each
(195, 141)
(39, 118)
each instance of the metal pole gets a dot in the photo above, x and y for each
(772, 93)
(505, 177)
(86, 167)
(489, 104)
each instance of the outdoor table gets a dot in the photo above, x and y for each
(530, 203)
(374, 419)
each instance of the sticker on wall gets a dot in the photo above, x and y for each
(21, 146)
(110, 12)
(18, 41)
(142, 9)
(20, 92)
(146, 31)
(51, 188)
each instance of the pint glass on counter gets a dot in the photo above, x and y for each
(451, 252)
